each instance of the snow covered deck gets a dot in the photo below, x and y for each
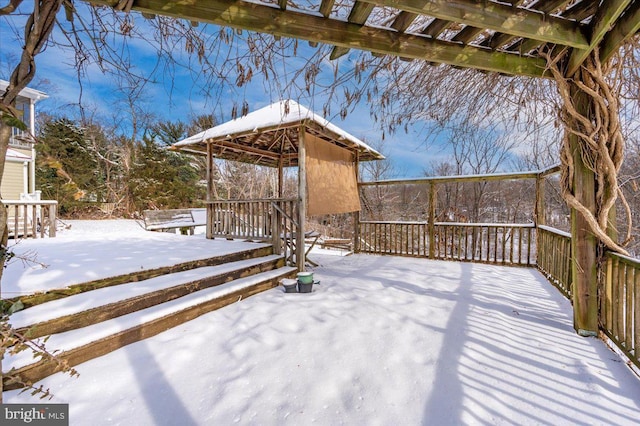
(91, 250)
(382, 340)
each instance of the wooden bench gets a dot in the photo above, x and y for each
(337, 243)
(169, 220)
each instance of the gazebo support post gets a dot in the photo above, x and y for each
(584, 244)
(280, 178)
(302, 197)
(276, 216)
(209, 230)
(356, 214)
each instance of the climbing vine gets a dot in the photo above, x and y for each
(599, 140)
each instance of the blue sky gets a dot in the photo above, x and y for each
(179, 95)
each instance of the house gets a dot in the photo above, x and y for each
(19, 178)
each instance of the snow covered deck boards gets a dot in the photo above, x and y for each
(82, 344)
(383, 340)
(84, 320)
(59, 293)
(100, 305)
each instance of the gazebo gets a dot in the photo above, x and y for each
(283, 134)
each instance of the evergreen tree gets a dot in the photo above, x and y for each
(66, 167)
(163, 179)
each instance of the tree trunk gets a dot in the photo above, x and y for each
(37, 30)
(5, 134)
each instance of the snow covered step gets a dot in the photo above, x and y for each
(38, 298)
(80, 345)
(106, 303)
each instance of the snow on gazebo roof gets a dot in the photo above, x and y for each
(271, 134)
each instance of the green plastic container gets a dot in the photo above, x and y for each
(305, 277)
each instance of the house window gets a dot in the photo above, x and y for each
(20, 138)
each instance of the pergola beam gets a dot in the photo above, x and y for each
(607, 14)
(325, 7)
(627, 26)
(358, 15)
(498, 17)
(266, 19)
(403, 21)
(501, 39)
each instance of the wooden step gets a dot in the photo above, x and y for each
(81, 310)
(83, 344)
(38, 298)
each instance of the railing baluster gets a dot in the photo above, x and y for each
(628, 322)
(30, 219)
(615, 290)
(620, 319)
(636, 313)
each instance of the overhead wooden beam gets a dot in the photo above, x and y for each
(545, 6)
(245, 149)
(403, 21)
(262, 18)
(325, 7)
(359, 14)
(498, 17)
(582, 10)
(628, 25)
(604, 19)
(436, 27)
(467, 34)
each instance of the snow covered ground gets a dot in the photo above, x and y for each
(381, 341)
(90, 250)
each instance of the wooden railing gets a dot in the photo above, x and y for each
(505, 244)
(620, 304)
(249, 219)
(273, 220)
(395, 238)
(554, 257)
(30, 219)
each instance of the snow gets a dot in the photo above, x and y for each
(91, 250)
(113, 294)
(555, 231)
(382, 340)
(270, 116)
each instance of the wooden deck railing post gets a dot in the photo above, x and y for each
(356, 232)
(53, 217)
(276, 221)
(431, 225)
(583, 242)
(539, 206)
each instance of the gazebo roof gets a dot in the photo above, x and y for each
(266, 135)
